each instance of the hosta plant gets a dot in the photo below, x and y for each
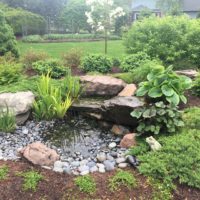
(165, 85)
(158, 117)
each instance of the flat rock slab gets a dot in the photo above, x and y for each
(101, 85)
(118, 109)
(128, 91)
(20, 103)
(190, 73)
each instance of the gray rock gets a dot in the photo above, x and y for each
(58, 164)
(123, 165)
(120, 160)
(83, 168)
(93, 169)
(75, 164)
(91, 164)
(57, 169)
(109, 166)
(67, 170)
(83, 173)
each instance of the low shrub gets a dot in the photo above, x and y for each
(196, 86)
(73, 58)
(9, 73)
(158, 118)
(122, 178)
(96, 62)
(86, 184)
(53, 66)
(191, 118)
(7, 120)
(133, 61)
(165, 85)
(32, 39)
(178, 159)
(31, 180)
(3, 172)
(33, 56)
(116, 62)
(126, 77)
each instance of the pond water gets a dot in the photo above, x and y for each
(80, 137)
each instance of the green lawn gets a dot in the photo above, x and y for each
(115, 48)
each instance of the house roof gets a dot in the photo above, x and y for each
(191, 5)
(142, 7)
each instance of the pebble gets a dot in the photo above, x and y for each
(58, 164)
(67, 170)
(120, 160)
(75, 164)
(58, 169)
(112, 145)
(93, 169)
(109, 166)
(101, 157)
(122, 165)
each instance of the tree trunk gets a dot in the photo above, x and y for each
(106, 41)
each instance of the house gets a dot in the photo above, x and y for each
(190, 7)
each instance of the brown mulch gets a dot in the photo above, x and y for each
(193, 101)
(57, 186)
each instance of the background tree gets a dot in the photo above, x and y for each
(73, 16)
(7, 39)
(171, 7)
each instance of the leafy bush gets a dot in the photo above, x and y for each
(116, 62)
(169, 38)
(139, 74)
(133, 61)
(196, 86)
(191, 118)
(7, 41)
(53, 66)
(51, 103)
(73, 58)
(126, 77)
(3, 172)
(32, 39)
(33, 56)
(165, 85)
(96, 62)
(7, 120)
(31, 180)
(178, 159)
(122, 178)
(86, 184)
(9, 73)
(158, 118)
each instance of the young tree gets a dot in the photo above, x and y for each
(7, 39)
(102, 15)
(171, 7)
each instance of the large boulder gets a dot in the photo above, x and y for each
(38, 154)
(118, 110)
(190, 73)
(129, 140)
(19, 103)
(101, 85)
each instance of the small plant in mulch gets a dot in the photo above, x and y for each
(86, 184)
(122, 178)
(3, 172)
(31, 179)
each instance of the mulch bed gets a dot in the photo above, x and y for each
(57, 186)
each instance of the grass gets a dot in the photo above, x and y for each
(122, 178)
(115, 48)
(3, 172)
(86, 184)
(31, 179)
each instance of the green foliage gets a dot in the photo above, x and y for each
(191, 118)
(86, 184)
(169, 39)
(178, 159)
(7, 120)
(51, 103)
(165, 85)
(122, 178)
(3, 172)
(96, 62)
(73, 57)
(126, 77)
(141, 148)
(196, 86)
(9, 73)
(31, 180)
(116, 62)
(53, 66)
(32, 39)
(33, 56)
(139, 74)
(7, 39)
(158, 118)
(133, 61)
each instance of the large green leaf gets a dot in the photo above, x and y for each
(155, 92)
(174, 99)
(183, 99)
(167, 90)
(136, 113)
(149, 113)
(142, 91)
